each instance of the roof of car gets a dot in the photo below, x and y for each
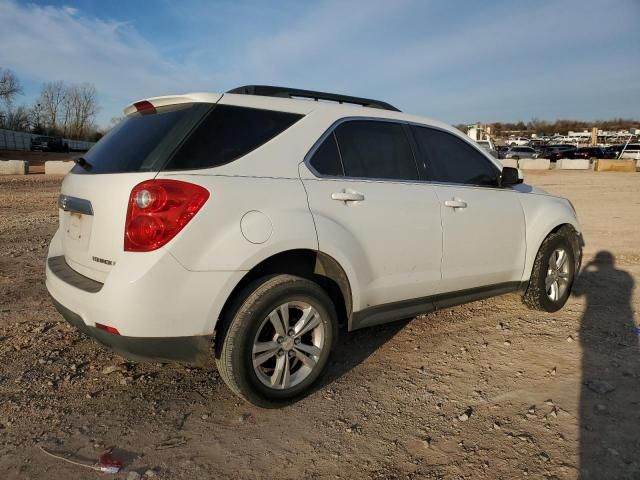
(292, 105)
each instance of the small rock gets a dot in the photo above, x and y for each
(532, 409)
(150, 473)
(88, 396)
(569, 339)
(507, 343)
(548, 402)
(463, 417)
(544, 457)
(111, 369)
(553, 371)
(600, 386)
(133, 476)
(204, 416)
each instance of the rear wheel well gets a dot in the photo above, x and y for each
(312, 265)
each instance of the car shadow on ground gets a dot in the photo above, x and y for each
(353, 348)
(610, 389)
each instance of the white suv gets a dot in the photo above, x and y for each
(255, 222)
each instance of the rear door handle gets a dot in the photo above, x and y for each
(347, 196)
(455, 203)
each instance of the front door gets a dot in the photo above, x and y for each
(483, 225)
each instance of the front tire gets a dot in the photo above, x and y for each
(553, 273)
(277, 340)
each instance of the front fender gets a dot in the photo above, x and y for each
(543, 214)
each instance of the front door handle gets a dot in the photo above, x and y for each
(347, 196)
(455, 203)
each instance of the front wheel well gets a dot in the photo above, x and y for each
(310, 264)
(574, 238)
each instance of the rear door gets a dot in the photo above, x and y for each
(372, 213)
(94, 195)
(483, 225)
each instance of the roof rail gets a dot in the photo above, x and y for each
(271, 91)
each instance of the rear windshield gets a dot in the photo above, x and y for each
(186, 136)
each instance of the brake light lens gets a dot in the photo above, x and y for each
(158, 210)
(108, 329)
(145, 107)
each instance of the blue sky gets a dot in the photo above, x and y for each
(458, 61)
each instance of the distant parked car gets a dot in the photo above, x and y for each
(49, 144)
(521, 152)
(518, 141)
(502, 151)
(594, 152)
(556, 152)
(631, 151)
(489, 146)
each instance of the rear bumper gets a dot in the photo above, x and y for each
(160, 309)
(196, 349)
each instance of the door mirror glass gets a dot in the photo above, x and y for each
(510, 176)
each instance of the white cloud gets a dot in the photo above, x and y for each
(421, 55)
(48, 43)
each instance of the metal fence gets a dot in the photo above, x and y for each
(10, 140)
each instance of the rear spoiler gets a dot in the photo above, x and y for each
(155, 102)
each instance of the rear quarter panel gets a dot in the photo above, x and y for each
(215, 240)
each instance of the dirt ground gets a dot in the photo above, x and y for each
(485, 391)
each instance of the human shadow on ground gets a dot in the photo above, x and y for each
(610, 391)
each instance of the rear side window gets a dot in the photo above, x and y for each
(185, 136)
(451, 160)
(326, 159)
(374, 149)
(228, 133)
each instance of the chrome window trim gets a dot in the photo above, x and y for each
(337, 123)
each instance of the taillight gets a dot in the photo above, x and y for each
(158, 210)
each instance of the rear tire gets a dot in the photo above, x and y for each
(277, 340)
(553, 273)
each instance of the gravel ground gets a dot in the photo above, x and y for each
(487, 390)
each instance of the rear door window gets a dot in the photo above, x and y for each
(449, 159)
(375, 149)
(326, 159)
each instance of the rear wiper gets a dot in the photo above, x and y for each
(82, 162)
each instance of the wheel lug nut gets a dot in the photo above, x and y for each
(291, 353)
(279, 339)
(296, 341)
(291, 333)
(280, 353)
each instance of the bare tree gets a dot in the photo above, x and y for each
(9, 85)
(81, 107)
(17, 119)
(51, 103)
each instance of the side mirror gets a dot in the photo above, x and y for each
(510, 176)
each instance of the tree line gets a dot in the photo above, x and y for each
(62, 109)
(562, 127)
